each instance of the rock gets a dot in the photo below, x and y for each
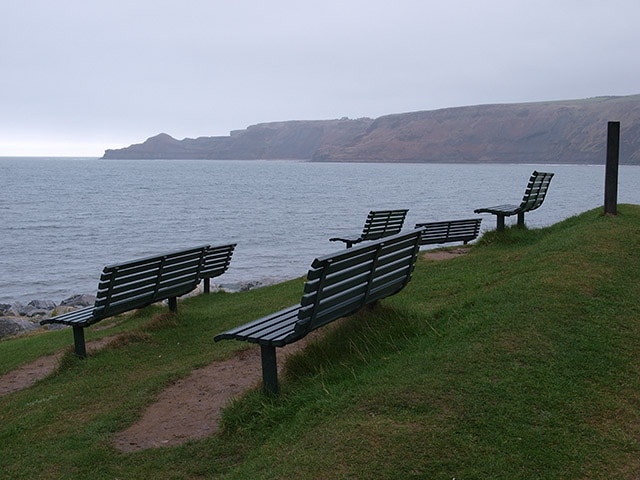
(238, 287)
(246, 286)
(42, 304)
(35, 308)
(20, 317)
(15, 326)
(78, 301)
(17, 309)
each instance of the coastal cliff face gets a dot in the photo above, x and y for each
(572, 131)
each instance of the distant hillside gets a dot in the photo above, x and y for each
(571, 131)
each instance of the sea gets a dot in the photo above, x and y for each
(63, 219)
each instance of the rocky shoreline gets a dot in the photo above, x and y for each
(18, 319)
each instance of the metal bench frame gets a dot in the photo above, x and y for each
(337, 285)
(138, 283)
(534, 195)
(379, 224)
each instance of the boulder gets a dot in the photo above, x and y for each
(32, 309)
(10, 326)
(78, 301)
(42, 304)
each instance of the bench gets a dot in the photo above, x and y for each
(136, 284)
(337, 285)
(533, 197)
(379, 224)
(449, 231)
(216, 262)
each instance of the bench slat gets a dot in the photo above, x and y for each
(217, 260)
(139, 283)
(383, 223)
(143, 272)
(270, 328)
(143, 264)
(348, 305)
(346, 301)
(75, 317)
(150, 282)
(336, 279)
(355, 291)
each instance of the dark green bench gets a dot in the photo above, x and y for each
(136, 284)
(533, 197)
(449, 231)
(337, 285)
(379, 224)
(216, 262)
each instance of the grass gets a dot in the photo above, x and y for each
(519, 360)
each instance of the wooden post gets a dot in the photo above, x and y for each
(611, 172)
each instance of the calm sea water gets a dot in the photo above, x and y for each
(64, 219)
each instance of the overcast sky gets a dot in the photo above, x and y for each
(80, 76)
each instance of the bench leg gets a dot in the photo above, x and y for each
(206, 285)
(78, 342)
(173, 304)
(521, 219)
(269, 370)
(500, 225)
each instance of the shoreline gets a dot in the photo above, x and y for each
(18, 318)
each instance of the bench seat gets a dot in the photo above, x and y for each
(337, 285)
(534, 195)
(277, 329)
(138, 283)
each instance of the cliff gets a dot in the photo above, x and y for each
(572, 131)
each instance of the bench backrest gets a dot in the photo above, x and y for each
(141, 282)
(340, 284)
(216, 260)
(449, 231)
(383, 223)
(536, 191)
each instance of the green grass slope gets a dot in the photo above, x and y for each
(519, 360)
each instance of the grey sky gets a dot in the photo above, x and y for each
(80, 76)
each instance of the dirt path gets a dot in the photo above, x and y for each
(187, 410)
(190, 408)
(27, 375)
